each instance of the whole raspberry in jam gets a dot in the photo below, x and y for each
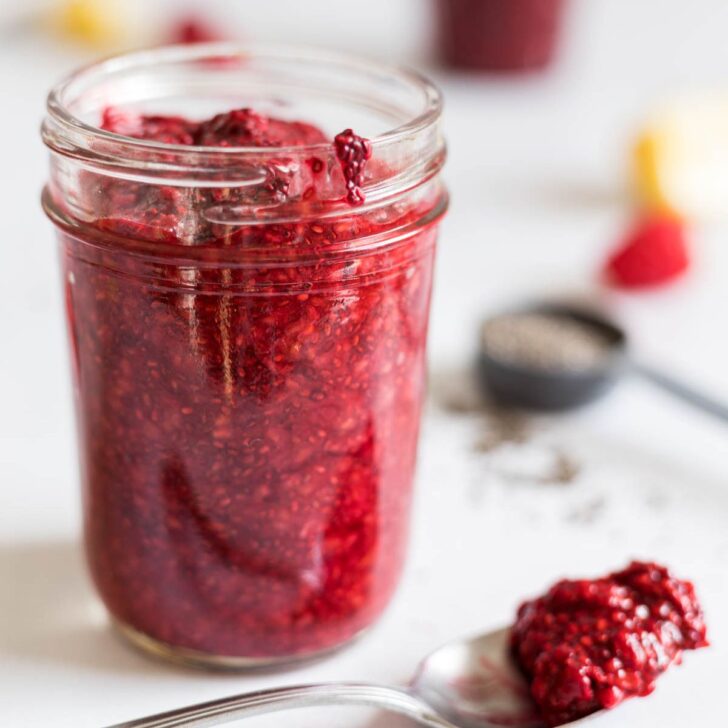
(246, 128)
(353, 153)
(165, 129)
(590, 644)
(238, 128)
(654, 252)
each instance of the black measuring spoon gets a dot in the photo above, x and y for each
(531, 385)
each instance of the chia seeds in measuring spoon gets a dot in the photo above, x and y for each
(549, 357)
(546, 342)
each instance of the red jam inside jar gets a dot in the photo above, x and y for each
(248, 324)
(589, 644)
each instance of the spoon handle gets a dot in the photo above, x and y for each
(683, 391)
(236, 707)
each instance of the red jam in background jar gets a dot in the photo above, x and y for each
(249, 371)
(499, 35)
(590, 644)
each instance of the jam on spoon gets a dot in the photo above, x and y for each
(589, 644)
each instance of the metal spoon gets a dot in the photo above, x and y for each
(564, 388)
(467, 684)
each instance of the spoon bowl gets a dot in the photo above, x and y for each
(474, 683)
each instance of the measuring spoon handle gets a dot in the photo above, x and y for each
(681, 390)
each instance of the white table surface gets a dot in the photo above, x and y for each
(537, 177)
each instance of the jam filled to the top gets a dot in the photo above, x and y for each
(248, 389)
(589, 644)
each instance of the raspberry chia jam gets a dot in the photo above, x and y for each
(247, 284)
(589, 644)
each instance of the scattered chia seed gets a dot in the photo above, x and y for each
(589, 512)
(457, 393)
(566, 470)
(502, 427)
(545, 341)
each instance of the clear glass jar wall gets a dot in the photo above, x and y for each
(247, 346)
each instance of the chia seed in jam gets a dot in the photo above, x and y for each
(248, 396)
(590, 644)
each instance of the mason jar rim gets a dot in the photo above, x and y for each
(410, 153)
(62, 127)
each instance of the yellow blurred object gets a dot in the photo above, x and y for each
(648, 153)
(97, 23)
(680, 159)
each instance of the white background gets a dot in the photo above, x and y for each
(537, 174)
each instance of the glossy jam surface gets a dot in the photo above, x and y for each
(248, 423)
(499, 35)
(590, 644)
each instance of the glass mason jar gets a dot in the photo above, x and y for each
(248, 346)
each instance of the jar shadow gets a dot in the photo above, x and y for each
(50, 613)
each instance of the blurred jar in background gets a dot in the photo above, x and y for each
(499, 35)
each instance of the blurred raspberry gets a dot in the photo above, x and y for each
(654, 252)
(193, 29)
